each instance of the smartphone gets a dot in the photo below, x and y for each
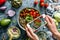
(37, 23)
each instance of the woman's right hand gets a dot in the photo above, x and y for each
(51, 24)
(52, 27)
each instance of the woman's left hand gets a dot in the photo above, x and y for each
(31, 33)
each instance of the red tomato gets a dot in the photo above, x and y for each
(37, 14)
(24, 14)
(36, 11)
(42, 4)
(21, 15)
(34, 15)
(36, 2)
(32, 10)
(2, 2)
(41, 1)
(31, 13)
(46, 5)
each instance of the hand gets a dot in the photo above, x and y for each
(51, 24)
(31, 34)
(52, 27)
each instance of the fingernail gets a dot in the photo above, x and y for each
(26, 27)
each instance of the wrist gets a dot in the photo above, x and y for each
(55, 32)
(57, 35)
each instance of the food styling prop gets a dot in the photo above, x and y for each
(13, 32)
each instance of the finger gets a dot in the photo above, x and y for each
(47, 20)
(50, 19)
(30, 30)
(28, 33)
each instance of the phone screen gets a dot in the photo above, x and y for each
(37, 22)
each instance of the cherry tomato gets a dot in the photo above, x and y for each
(46, 5)
(2, 2)
(41, 1)
(37, 14)
(24, 14)
(36, 2)
(21, 15)
(25, 11)
(34, 15)
(32, 10)
(31, 13)
(42, 4)
(36, 11)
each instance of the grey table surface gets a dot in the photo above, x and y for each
(25, 3)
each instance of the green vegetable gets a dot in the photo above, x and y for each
(5, 22)
(38, 23)
(16, 3)
(59, 30)
(57, 16)
(28, 18)
(55, 22)
(0, 22)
